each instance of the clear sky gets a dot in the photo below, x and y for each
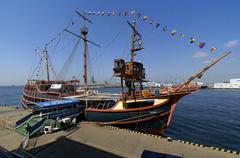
(25, 25)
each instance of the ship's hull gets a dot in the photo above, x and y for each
(153, 119)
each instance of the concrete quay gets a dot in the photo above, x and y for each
(92, 140)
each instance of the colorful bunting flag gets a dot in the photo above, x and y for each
(132, 12)
(108, 13)
(212, 49)
(165, 28)
(151, 21)
(202, 44)
(126, 13)
(113, 13)
(89, 13)
(192, 40)
(157, 25)
(139, 15)
(174, 31)
(181, 35)
(103, 13)
(98, 13)
(145, 18)
(119, 13)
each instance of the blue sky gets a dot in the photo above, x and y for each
(26, 25)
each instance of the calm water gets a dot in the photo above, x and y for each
(210, 117)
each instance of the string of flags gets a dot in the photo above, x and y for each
(58, 36)
(151, 21)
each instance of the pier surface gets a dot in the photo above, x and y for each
(9, 115)
(91, 140)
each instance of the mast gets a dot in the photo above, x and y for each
(84, 32)
(46, 63)
(44, 56)
(132, 40)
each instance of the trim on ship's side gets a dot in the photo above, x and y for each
(135, 121)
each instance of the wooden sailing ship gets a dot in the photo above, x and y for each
(146, 110)
(49, 90)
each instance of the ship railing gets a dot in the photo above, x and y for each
(178, 89)
(44, 95)
(154, 92)
(33, 82)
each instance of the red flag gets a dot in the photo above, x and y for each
(212, 49)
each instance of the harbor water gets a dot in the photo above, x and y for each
(209, 116)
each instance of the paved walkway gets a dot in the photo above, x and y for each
(114, 142)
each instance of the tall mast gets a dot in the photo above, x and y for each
(46, 62)
(135, 40)
(132, 40)
(84, 32)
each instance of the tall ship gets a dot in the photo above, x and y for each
(36, 91)
(146, 109)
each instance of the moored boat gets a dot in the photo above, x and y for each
(147, 110)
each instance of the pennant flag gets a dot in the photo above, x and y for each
(139, 15)
(181, 35)
(126, 13)
(151, 21)
(192, 40)
(212, 49)
(157, 25)
(98, 13)
(89, 13)
(165, 28)
(145, 18)
(85, 12)
(103, 13)
(119, 13)
(202, 44)
(108, 13)
(132, 12)
(174, 31)
(113, 13)
(93, 13)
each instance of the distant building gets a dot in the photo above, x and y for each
(234, 83)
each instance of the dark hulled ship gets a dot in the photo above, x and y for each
(148, 110)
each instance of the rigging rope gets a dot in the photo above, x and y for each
(62, 74)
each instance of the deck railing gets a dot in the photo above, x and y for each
(154, 92)
(45, 95)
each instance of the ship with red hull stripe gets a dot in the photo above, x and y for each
(135, 107)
